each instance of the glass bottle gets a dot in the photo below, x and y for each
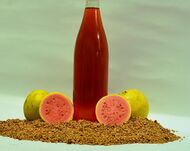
(90, 63)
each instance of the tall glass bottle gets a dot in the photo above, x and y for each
(90, 63)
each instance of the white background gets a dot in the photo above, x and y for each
(149, 43)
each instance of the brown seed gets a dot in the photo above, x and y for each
(136, 130)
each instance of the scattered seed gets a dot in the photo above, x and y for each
(136, 130)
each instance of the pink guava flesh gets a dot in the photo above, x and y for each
(56, 108)
(113, 110)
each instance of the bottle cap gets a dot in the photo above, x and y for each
(92, 3)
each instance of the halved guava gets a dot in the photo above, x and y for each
(113, 110)
(56, 108)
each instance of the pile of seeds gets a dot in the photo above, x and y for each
(136, 130)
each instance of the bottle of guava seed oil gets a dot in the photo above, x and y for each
(90, 63)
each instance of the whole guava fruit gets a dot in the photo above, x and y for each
(138, 101)
(32, 103)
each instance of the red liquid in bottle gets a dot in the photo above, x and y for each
(90, 66)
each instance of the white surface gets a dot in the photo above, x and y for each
(12, 110)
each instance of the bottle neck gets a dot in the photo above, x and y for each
(92, 3)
